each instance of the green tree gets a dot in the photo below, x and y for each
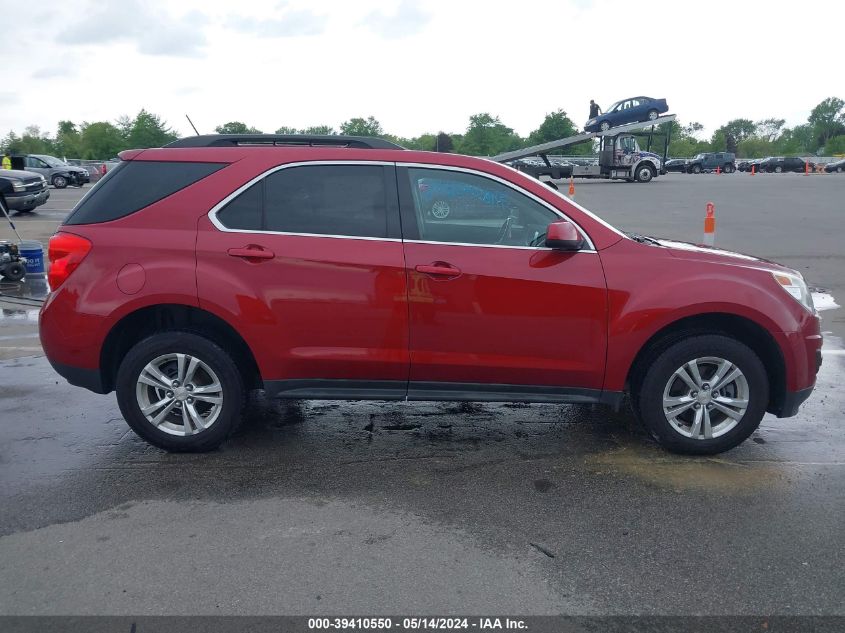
(443, 143)
(769, 129)
(835, 146)
(739, 129)
(798, 140)
(10, 144)
(286, 129)
(486, 135)
(148, 130)
(827, 119)
(719, 141)
(68, 140)
(236, 127)
(555, 126)
(33, 141)
(100, 141)
(755, 147)
(322, 130)
(361, 127)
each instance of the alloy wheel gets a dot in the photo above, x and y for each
(705, 398)
(179, 394)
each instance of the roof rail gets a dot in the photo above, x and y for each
(237, 140)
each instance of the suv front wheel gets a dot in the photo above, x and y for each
(180, 392)
(703, 395)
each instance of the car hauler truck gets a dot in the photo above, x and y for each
(620, 155)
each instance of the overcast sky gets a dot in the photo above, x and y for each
(416, 66)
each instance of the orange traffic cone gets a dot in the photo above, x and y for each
(753, 169)
(710, 225)
(807, 168)
(571, 187)
(718, 170)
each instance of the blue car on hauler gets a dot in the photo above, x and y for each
(633, 110)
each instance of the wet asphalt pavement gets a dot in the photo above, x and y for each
(363, 508)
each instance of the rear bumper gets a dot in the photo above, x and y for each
(91, 379)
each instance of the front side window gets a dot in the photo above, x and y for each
(345, 200)
(458, 207)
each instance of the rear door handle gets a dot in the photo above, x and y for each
(439, 269)
(251, 252)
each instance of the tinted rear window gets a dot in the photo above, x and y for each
(133, 185)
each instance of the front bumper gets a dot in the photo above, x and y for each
(26, 200)
(792, 401)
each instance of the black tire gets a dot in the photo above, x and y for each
(729, 169)
(658, 371)
(652, 115)
(644, 173)
(604, 126)
(208, 352)
(59, 182)
(14, 271)
(695, 169)
(778, 169)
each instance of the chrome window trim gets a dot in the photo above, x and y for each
(212, 214)
(591, 247)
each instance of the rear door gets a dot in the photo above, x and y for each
(307, 261)
(490, 311)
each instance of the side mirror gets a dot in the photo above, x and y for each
(564, 236)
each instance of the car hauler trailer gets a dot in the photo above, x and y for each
(620, 156)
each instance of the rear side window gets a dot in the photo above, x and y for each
(133, 185)
(347, 200)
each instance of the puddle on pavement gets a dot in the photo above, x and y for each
(651, 464)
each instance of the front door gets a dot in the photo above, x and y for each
(491, 309)
(307, 264)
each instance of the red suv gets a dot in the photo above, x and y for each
(310, 267)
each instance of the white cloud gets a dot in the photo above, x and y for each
(416, 66)
(154, 32)
(293, 23)
(407, 19)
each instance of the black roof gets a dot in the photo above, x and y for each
(236, 140)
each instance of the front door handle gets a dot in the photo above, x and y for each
(439, 269)
(251, 251)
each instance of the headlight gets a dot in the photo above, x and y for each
(17, 185)
(795, 286)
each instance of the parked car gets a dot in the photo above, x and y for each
(443, 198)
(57, 172)
(631, 110)
(22, 190)
(835, 167)
(676, 164)
(195, 272)
(778, 164)
(557, 168)
(709, 161)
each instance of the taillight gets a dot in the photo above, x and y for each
(65, 252)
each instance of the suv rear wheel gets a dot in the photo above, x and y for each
(696, 169)
(180, 392)
(703, 395)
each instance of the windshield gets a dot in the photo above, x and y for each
(52, 160)
(613, 107)
(699, 156)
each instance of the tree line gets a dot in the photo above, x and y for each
(485, 135)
